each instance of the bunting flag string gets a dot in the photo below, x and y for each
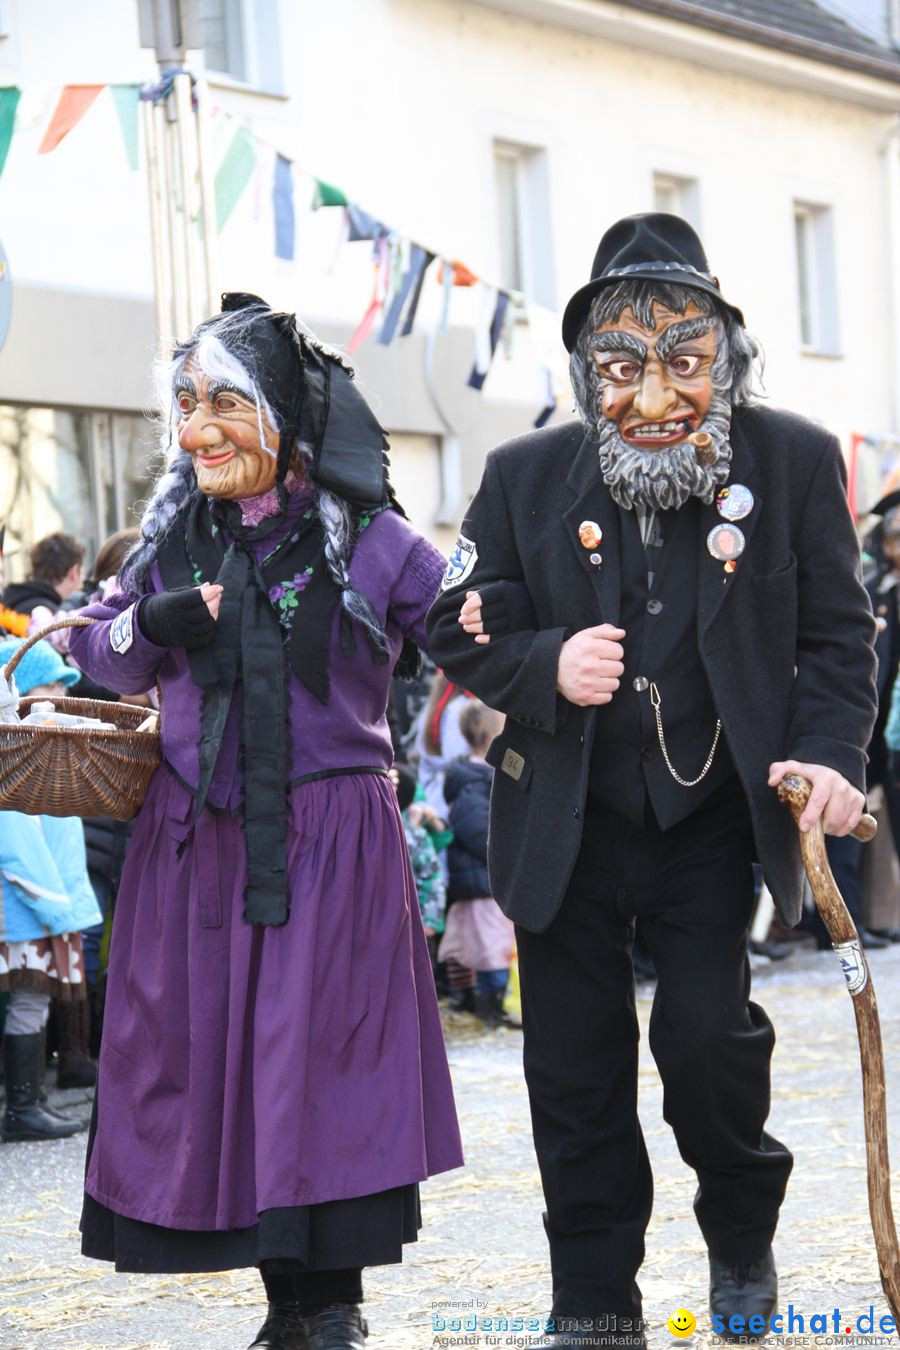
(126, 97)
(283, 208)
(74, 102)
(9, 102)
(234, 173)
(486, 341)
(400, 264)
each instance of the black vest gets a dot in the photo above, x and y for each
(628, 772)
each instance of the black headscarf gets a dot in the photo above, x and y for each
(315, 401)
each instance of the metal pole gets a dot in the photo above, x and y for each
(174, 204)
(157, 223)
(207, 198)
(187, 156)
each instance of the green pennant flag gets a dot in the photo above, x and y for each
(234, 173)
(327, 195)
(9, 101)
(125, 97)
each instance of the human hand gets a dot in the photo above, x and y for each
(836, 801)
(471, 618)
(497, 607)
(431, 818)
(212, 594)
(183, 618)
(590, 663)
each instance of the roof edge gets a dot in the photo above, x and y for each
(732, 26)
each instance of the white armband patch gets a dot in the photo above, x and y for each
(121, 635)
(462, 561)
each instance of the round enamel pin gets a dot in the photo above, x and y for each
(725, 542)
(734, 502)
(589, 534)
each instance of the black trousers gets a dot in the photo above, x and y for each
(692, 887)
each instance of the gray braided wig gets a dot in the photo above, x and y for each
(220, 349)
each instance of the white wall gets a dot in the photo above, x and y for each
(397, 102)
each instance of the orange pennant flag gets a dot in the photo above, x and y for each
(461, 274)
(74, 102)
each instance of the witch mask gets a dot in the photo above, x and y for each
(230, 438)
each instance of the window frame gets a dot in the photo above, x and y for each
(815, 272)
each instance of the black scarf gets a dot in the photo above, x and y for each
(249, 650)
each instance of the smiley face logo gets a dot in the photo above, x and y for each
(682, 1323)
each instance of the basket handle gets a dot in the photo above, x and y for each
(75, 622)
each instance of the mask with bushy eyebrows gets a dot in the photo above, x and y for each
(653, 376)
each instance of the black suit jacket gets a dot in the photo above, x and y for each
(786, 640)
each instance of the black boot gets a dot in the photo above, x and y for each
(340, 1326)
(76, 1068)
(746, 1291)
(26, 1116)
(283, 1329)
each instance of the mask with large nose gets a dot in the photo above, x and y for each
(656, 383)
(232, 442)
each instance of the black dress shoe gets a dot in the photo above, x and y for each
(742, 1291)
(283, 1329)
(340, 1326)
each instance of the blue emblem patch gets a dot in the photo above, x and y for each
(121, 635)
(462, 561)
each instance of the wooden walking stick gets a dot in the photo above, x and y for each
(794, 792)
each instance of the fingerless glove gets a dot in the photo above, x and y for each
(505, 607)
(176, 619)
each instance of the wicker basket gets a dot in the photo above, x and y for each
(76, 771)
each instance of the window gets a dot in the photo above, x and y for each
(69, 469)
(222, 33)
(894, 23)
(677, 195)
(240, 41)
(524, 242)
(816, 289)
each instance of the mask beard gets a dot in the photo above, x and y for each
(663, 480)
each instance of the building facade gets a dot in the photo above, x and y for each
(505, 134)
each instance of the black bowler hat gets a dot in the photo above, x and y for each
(649, 247)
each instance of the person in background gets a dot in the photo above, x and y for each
(418, 822)
(46, 900)
(478, 934)
(439, 739)
(11, 621)
(56, 566)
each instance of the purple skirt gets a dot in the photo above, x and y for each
(246, 1068)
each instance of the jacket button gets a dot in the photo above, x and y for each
(647, 751)
(575, 812)
(654, 607)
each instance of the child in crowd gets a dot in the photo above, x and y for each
(477, 934)
(419, 824)
(45, 901)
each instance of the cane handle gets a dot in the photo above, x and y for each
(794, 793)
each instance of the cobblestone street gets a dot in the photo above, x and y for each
(482, 1249)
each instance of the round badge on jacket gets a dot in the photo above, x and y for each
(726, 542)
